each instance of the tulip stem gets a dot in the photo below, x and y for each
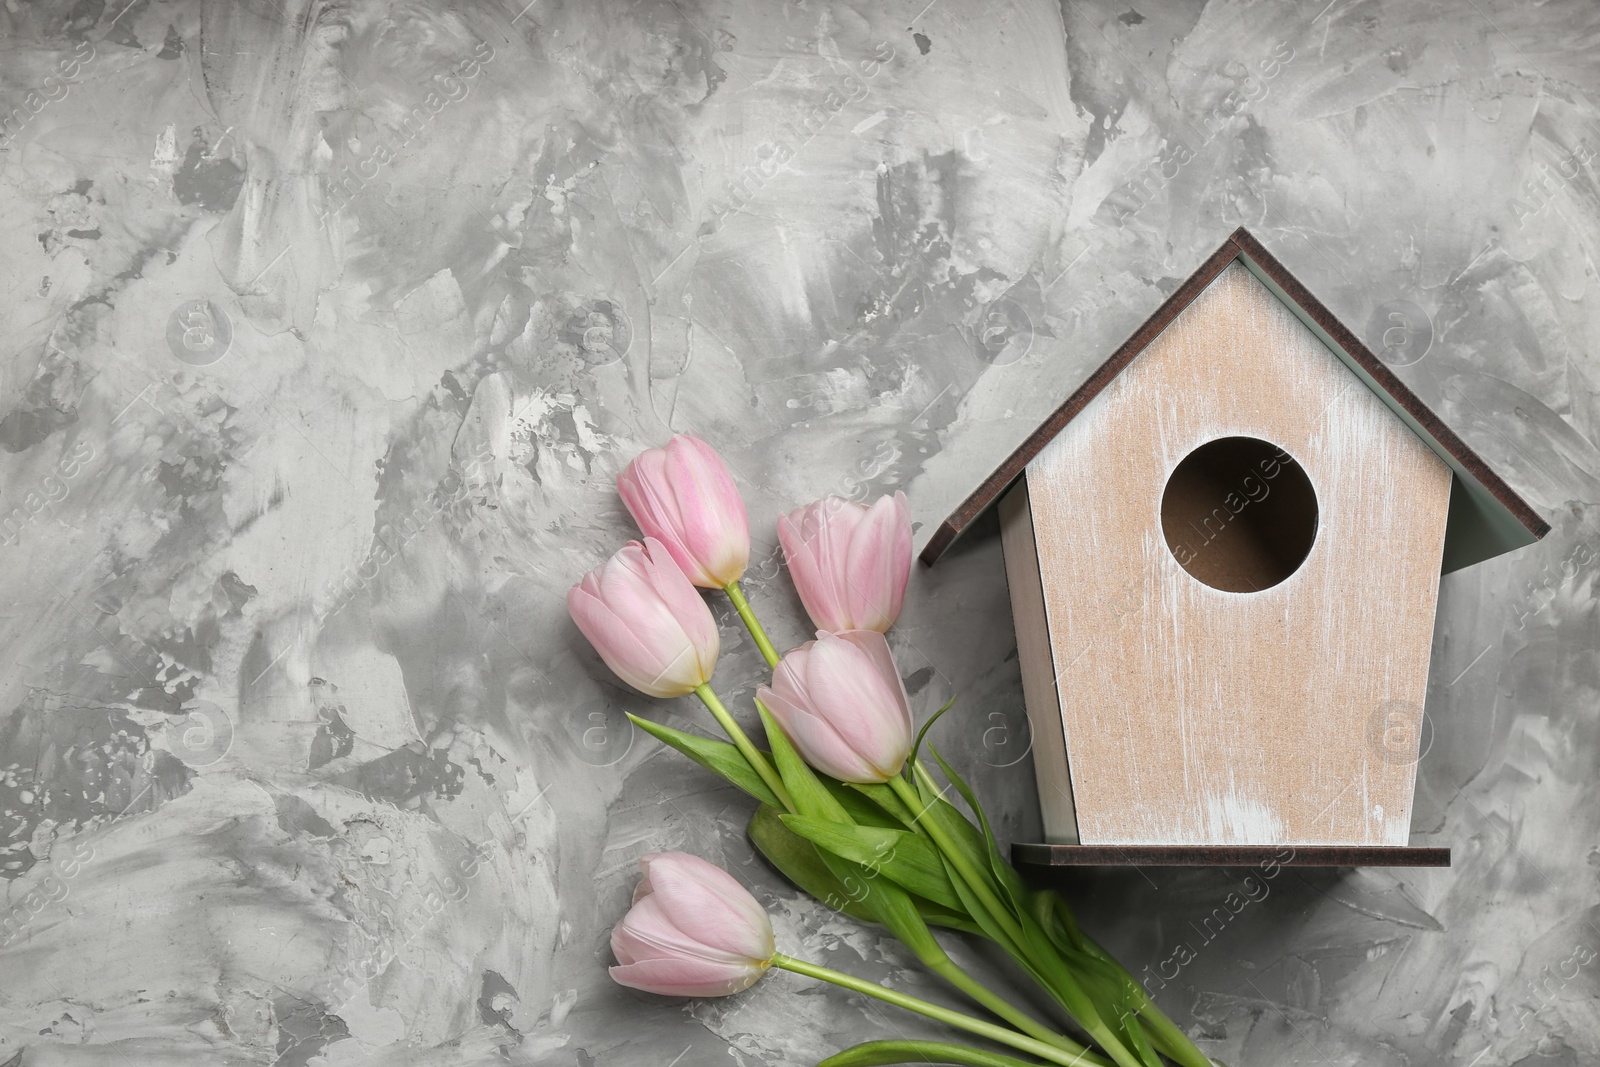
(1052, 969)
(1165, 1034)
(959, 860)
(952, 973)
(933, 1011)
(751, 623)
(758, 762)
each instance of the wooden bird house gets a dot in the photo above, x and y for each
(1224, 554)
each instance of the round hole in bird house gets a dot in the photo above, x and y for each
(1239, 514)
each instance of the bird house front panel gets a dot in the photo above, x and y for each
(1239, 550)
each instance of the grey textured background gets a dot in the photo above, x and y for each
(310, 405)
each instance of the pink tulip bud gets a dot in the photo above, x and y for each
(849, 562)
(647, 622)
(684, 497)
(693, 931)
(841, 701)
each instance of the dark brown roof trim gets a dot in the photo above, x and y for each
(1042, 859)
(1239, 243)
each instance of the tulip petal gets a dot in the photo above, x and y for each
(858, 690)
(687, 978)
(845, 683)
(879, 564)
(709, 905)
(710, 511)
(644, 888)
(647, 622)
(850, 563)
(693, 931)
(648, 496)
(685, 604)
(803, 551)
(648, 933)
(634, 587)
(789, 676)
(816, 739)
(835, 520)
(875, 647)
(683, 496)
(896, 737)
(621, 650)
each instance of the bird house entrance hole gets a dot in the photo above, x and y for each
(1239, 514)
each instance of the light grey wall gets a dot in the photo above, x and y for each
(314, 386)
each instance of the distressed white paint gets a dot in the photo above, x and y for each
(1197, 716)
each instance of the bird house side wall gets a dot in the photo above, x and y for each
(1048, 745)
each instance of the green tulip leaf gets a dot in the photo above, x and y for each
(810, 796)
(1121, 999)
(864, 808)
(1005, 874)
(892, 906)
(877, 1053)
(799, 861)
(1105, 980)
(1046, 968)
(1131, 1030)
(986, 923)
(1058, 921)
(889, 802)
(874, 893)
(916, 746)
(957, 829)
(718, 757)
(899, 855)
(937, 915)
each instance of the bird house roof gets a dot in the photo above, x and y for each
(1486, 516)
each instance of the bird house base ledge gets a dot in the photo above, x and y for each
(1045, 856)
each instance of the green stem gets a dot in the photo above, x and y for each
(1070, 996)
(952, 973)
(1165, 1034)
(1169, 1039)
(933, 1011)
(757, 760)
(751, 623)
(958, 859)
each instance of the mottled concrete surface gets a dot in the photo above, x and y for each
(326, 327)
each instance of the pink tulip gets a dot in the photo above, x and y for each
(693, 931)
(684, 497)
(849, 562)
(647, 622)
(841, 701)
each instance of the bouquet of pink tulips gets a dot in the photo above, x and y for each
(846, 809)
